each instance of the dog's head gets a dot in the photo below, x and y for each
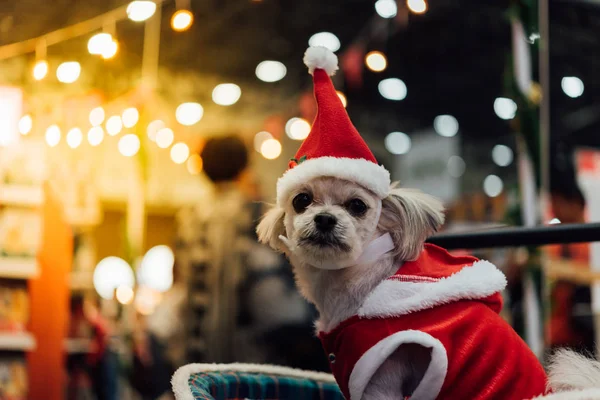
(330, 221)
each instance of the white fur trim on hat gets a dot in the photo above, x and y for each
(369, 363)
(365, 173)
(321, 58)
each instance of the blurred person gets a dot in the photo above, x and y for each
(101, 361)
(571, 322)
(242, 303)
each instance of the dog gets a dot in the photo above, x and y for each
(325, 226)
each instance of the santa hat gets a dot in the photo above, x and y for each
(334, 147)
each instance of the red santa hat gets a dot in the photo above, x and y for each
(334, 147)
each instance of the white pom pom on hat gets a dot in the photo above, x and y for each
(321, 58)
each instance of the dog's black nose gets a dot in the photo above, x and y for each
(325, 222)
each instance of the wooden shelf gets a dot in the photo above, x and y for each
(21, 195)
(17, 341)
(18, 267)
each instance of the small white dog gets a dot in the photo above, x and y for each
(324, 228)
(398, 318)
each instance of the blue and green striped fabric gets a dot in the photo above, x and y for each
(243, 385)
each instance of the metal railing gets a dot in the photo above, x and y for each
(519, 236)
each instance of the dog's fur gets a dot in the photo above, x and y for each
(409, 216)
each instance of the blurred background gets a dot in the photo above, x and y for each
(140, 142)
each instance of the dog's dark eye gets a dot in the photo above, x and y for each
(356, 207)
(301, 202)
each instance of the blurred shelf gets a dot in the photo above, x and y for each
(83, 218)
(18, 267)
(21, 195)
(78, 346)
(17, 341)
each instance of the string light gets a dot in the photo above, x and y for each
(95, 135)
(53, 135)
(376, 61)
(189, 113)
(99, 43)
(140, 10)
(25, 124)
(572, 86)
(226, 94)
(40, 70)
(270, 149)
(260, 138)
(124, 294)
(111, 50)
(297, 128)
(392, 89)
(342, 97)
(130, 117)
(445, 125)
(153, 128)
(114, 125)
(68, 72)
(386, 8)
(180, 153)
(182, 20)
(397, 143)
(97, 116)
(194, 164)
(417, 6)
(164, 138)
(325, 39)
(129, 145)
(493, 185)
(74, 138)
(270, 71)
(505, 108)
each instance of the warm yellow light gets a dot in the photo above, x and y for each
(74, 138)
(129, 145)
(153, 128)
(270, 149)
(194, 164)
(417, 6)
(68, 72)
(53, 135)
(114, 125)
(182, 20)
(140, 10)
(40, 70)
(226, 94)
(180, 153)
(95, 135)
(189, 113)
(25, 124)
(97, 116)
(260, 138)
(99, 43)
(164, 138)
(376, 61)
(124, 294)
(297, 128)
(130, 117)
(342, 97)
(111, 50)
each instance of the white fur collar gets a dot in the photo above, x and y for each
(404, 294)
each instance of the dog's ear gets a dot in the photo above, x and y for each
(271, 227)
(410, 216)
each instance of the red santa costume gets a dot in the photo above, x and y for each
(445, 303)
(450, 305)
